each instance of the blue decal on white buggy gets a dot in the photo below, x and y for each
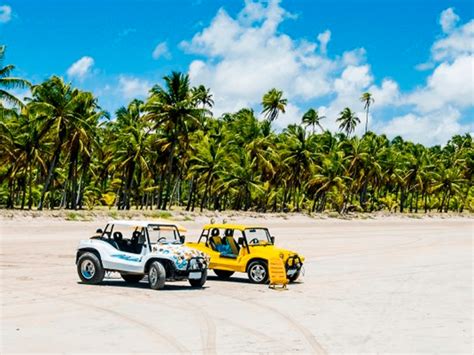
(127, 257)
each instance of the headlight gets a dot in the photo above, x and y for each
(193, 264)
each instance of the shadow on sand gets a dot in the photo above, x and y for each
(169, 286)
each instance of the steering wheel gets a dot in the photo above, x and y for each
(254, 241)
(160, 239)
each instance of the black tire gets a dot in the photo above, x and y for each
(132, 278)
(223, 274)
(198, 283)
(258, 272)
(90, 269)
(294, 277)
(157, 275)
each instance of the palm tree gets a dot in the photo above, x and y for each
(312, 118)
(131, 148)
(209, 157)
(273, 103)
(348, 121)
(368, 100)
(173, 110)
(7, 82)
(203, 96)
(54, 102)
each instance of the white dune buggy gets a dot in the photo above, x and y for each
(139, 248)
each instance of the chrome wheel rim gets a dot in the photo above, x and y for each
(258, 273)
(153, 275)
(88, 269)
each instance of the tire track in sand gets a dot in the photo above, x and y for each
(169, 339)
(208, 338)
(310, 339)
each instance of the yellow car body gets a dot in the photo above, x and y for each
(242, 248)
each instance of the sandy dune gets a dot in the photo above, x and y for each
(389, 285)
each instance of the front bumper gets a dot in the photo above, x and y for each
(293, 265)
(197, 263)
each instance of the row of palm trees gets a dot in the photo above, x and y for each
(59, 149)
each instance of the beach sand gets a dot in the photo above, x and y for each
(384, 285)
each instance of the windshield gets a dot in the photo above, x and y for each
(163, 234)
(257, 235)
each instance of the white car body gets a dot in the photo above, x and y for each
(181, 262)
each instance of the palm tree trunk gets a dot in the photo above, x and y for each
(366, 119)
(169, 176)
(49, 177)
(191, 193)
(30, 186)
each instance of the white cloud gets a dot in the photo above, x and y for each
(425, 66)
(458, 42)
(432, 128)
(245, 56)
(81, 68)
(449, 84)
(324, 39)
(437, 107)
(448, 20)
(5, 13)
(292, 114)
(132, 87)
(161, 50)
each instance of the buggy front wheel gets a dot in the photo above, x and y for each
(90, 269)
(258, 272)
(198, 283)
(157, 275)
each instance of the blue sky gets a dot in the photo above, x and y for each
(415, 56)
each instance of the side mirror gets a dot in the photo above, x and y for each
(240, 241)
(99, 231)
(272, 238)
(182, 238)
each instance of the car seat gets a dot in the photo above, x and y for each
(135, 246)
(215, 240)
(118, 239)
(230, 241)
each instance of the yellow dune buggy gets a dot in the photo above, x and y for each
(240, 248)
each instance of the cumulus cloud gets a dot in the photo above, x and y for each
(432, 128)
(161, 50)
(438, 105)
(449, 84)
(132, 87)
(448, 20)
(5, 13)
(81, 68)
(246, 55)
(324, 39)
(459, 42)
